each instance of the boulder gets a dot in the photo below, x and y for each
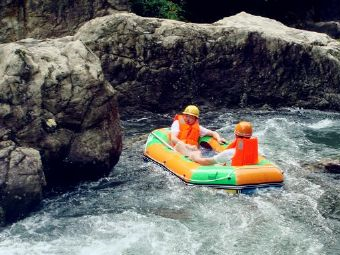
(21, 180)
(242, 60)
(326, 165)
(330, 165)
(54, 99)
(50, 18)
(332, 28)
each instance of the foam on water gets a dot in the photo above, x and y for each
(326, 123)
(142, 209)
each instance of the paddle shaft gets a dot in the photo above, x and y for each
(162, 141)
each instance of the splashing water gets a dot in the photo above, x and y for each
(142, 209)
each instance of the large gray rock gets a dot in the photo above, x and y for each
(242, 60)
(21, 180)
(330, 165)
(332, 28)
(54, 98)
(50, 18)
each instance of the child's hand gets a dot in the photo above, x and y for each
(191, 147)
(221, 141)
(194, 154)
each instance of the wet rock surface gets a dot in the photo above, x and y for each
(240, 61)
(328, 165)
(21, 180)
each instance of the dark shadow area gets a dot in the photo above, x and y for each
(288, 11)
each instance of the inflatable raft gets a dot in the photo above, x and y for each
(240, 179)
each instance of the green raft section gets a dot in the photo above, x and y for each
(215, 175)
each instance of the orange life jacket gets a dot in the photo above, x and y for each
(188, 133)
(232, 145)
(246, 151)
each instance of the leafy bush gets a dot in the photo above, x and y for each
(158, 8)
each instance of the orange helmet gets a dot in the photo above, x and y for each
(244, 129)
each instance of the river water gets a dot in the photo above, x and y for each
(142, 209)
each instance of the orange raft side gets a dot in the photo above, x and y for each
(172, 160)
(251, 175)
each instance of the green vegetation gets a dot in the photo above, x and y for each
(158, 8)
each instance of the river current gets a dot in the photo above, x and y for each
(142, 209)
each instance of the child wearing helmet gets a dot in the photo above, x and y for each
(242, 151)
(186, 131)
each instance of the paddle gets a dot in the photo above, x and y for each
(162, 141)
(178, 148)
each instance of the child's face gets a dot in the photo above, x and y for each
(189, 119)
